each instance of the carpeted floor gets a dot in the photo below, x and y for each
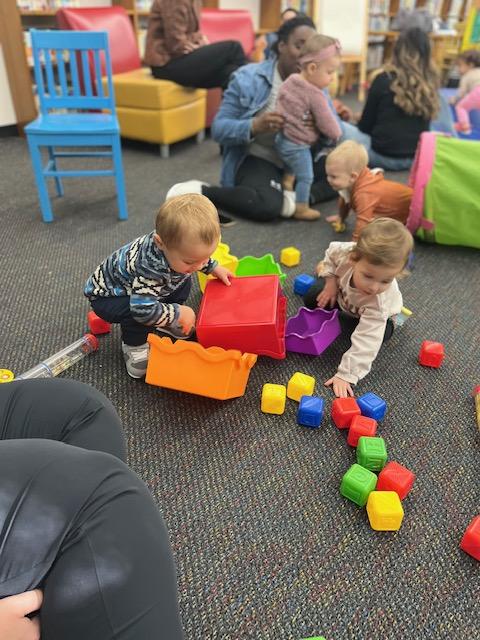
(265, 545)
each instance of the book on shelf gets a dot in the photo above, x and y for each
(299, 5)
(45, 5)
(141, 38)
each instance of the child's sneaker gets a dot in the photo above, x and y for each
(136, 359)
(175, 330)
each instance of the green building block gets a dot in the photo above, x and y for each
(357, 484)
(371, 453)
(264, 266)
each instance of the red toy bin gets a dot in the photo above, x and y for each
(249, 315)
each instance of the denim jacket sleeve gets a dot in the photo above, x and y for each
(233, 121)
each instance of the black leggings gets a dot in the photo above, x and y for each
(348, 323)
(206, 67)
(76, 521)
(257, 194)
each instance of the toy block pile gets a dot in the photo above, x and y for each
(382, 494)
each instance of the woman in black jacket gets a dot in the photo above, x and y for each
(402, 101)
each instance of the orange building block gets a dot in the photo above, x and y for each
(187, 366)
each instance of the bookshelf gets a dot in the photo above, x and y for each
(446, 14)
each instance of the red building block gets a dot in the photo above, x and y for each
(361, 426)
(249, 315)
(343, 411)
(96, 325)
(395, 477)
(431, 354)
(471, 539)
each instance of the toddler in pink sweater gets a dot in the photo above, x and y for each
(469, 90)
(301, 99)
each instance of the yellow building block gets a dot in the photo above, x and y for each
(223, 256)
(273, 398)
(300, 385)
(385, 510)
(290, 256)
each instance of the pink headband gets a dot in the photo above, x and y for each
(332, 50)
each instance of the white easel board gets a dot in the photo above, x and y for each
(345, 20)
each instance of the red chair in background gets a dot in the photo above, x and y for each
(226, 24)
(156, 111)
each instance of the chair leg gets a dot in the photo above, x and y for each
(58, 181)
(164, 150)
(119, 179)
(200, 137)
(36, 157)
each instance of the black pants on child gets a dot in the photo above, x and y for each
(257, 194)
(117, 310)
(206, 67)
(347, 323)
(76, 522)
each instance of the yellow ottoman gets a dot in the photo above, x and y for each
(158, 111)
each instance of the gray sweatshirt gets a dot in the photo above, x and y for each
(373, 311)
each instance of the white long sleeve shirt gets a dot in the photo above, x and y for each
(373, 311)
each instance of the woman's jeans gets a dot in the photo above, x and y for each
(298, 160)
(351, 132)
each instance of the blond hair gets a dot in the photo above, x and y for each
(315, 43)
(352, 155)
(385, 242)
(415, 80)
(188, 217)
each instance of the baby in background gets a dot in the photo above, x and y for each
(360, 280)
(364, 190)
(301, 98)
(468, 96)
(143, 285)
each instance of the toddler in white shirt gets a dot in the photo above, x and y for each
(360, 280)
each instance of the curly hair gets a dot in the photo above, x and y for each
(415, 80)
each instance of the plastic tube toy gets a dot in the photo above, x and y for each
(63, 359)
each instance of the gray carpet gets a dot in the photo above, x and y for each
(265, 545)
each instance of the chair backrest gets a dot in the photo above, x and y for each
(116, 22)
(229, 24)
(68, 70)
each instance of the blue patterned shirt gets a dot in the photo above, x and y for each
(141, 271)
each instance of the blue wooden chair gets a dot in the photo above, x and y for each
(73, 105)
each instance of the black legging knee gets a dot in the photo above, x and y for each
(78, 523)
(262, 204)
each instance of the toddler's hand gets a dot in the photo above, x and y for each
(186, 319)
(328, 296)
(14, 625)
(222, 274)
(341, 388)
(332, 219)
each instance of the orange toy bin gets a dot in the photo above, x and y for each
(189, 367)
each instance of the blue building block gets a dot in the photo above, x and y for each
(302, 283)
(310, 411)
(372, 406)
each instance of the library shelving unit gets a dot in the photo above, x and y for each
(446, 13)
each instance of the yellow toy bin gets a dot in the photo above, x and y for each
(189, 367)
(223, 256)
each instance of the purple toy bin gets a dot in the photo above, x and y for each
(312, 331)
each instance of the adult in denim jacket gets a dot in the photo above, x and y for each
(245, 126)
